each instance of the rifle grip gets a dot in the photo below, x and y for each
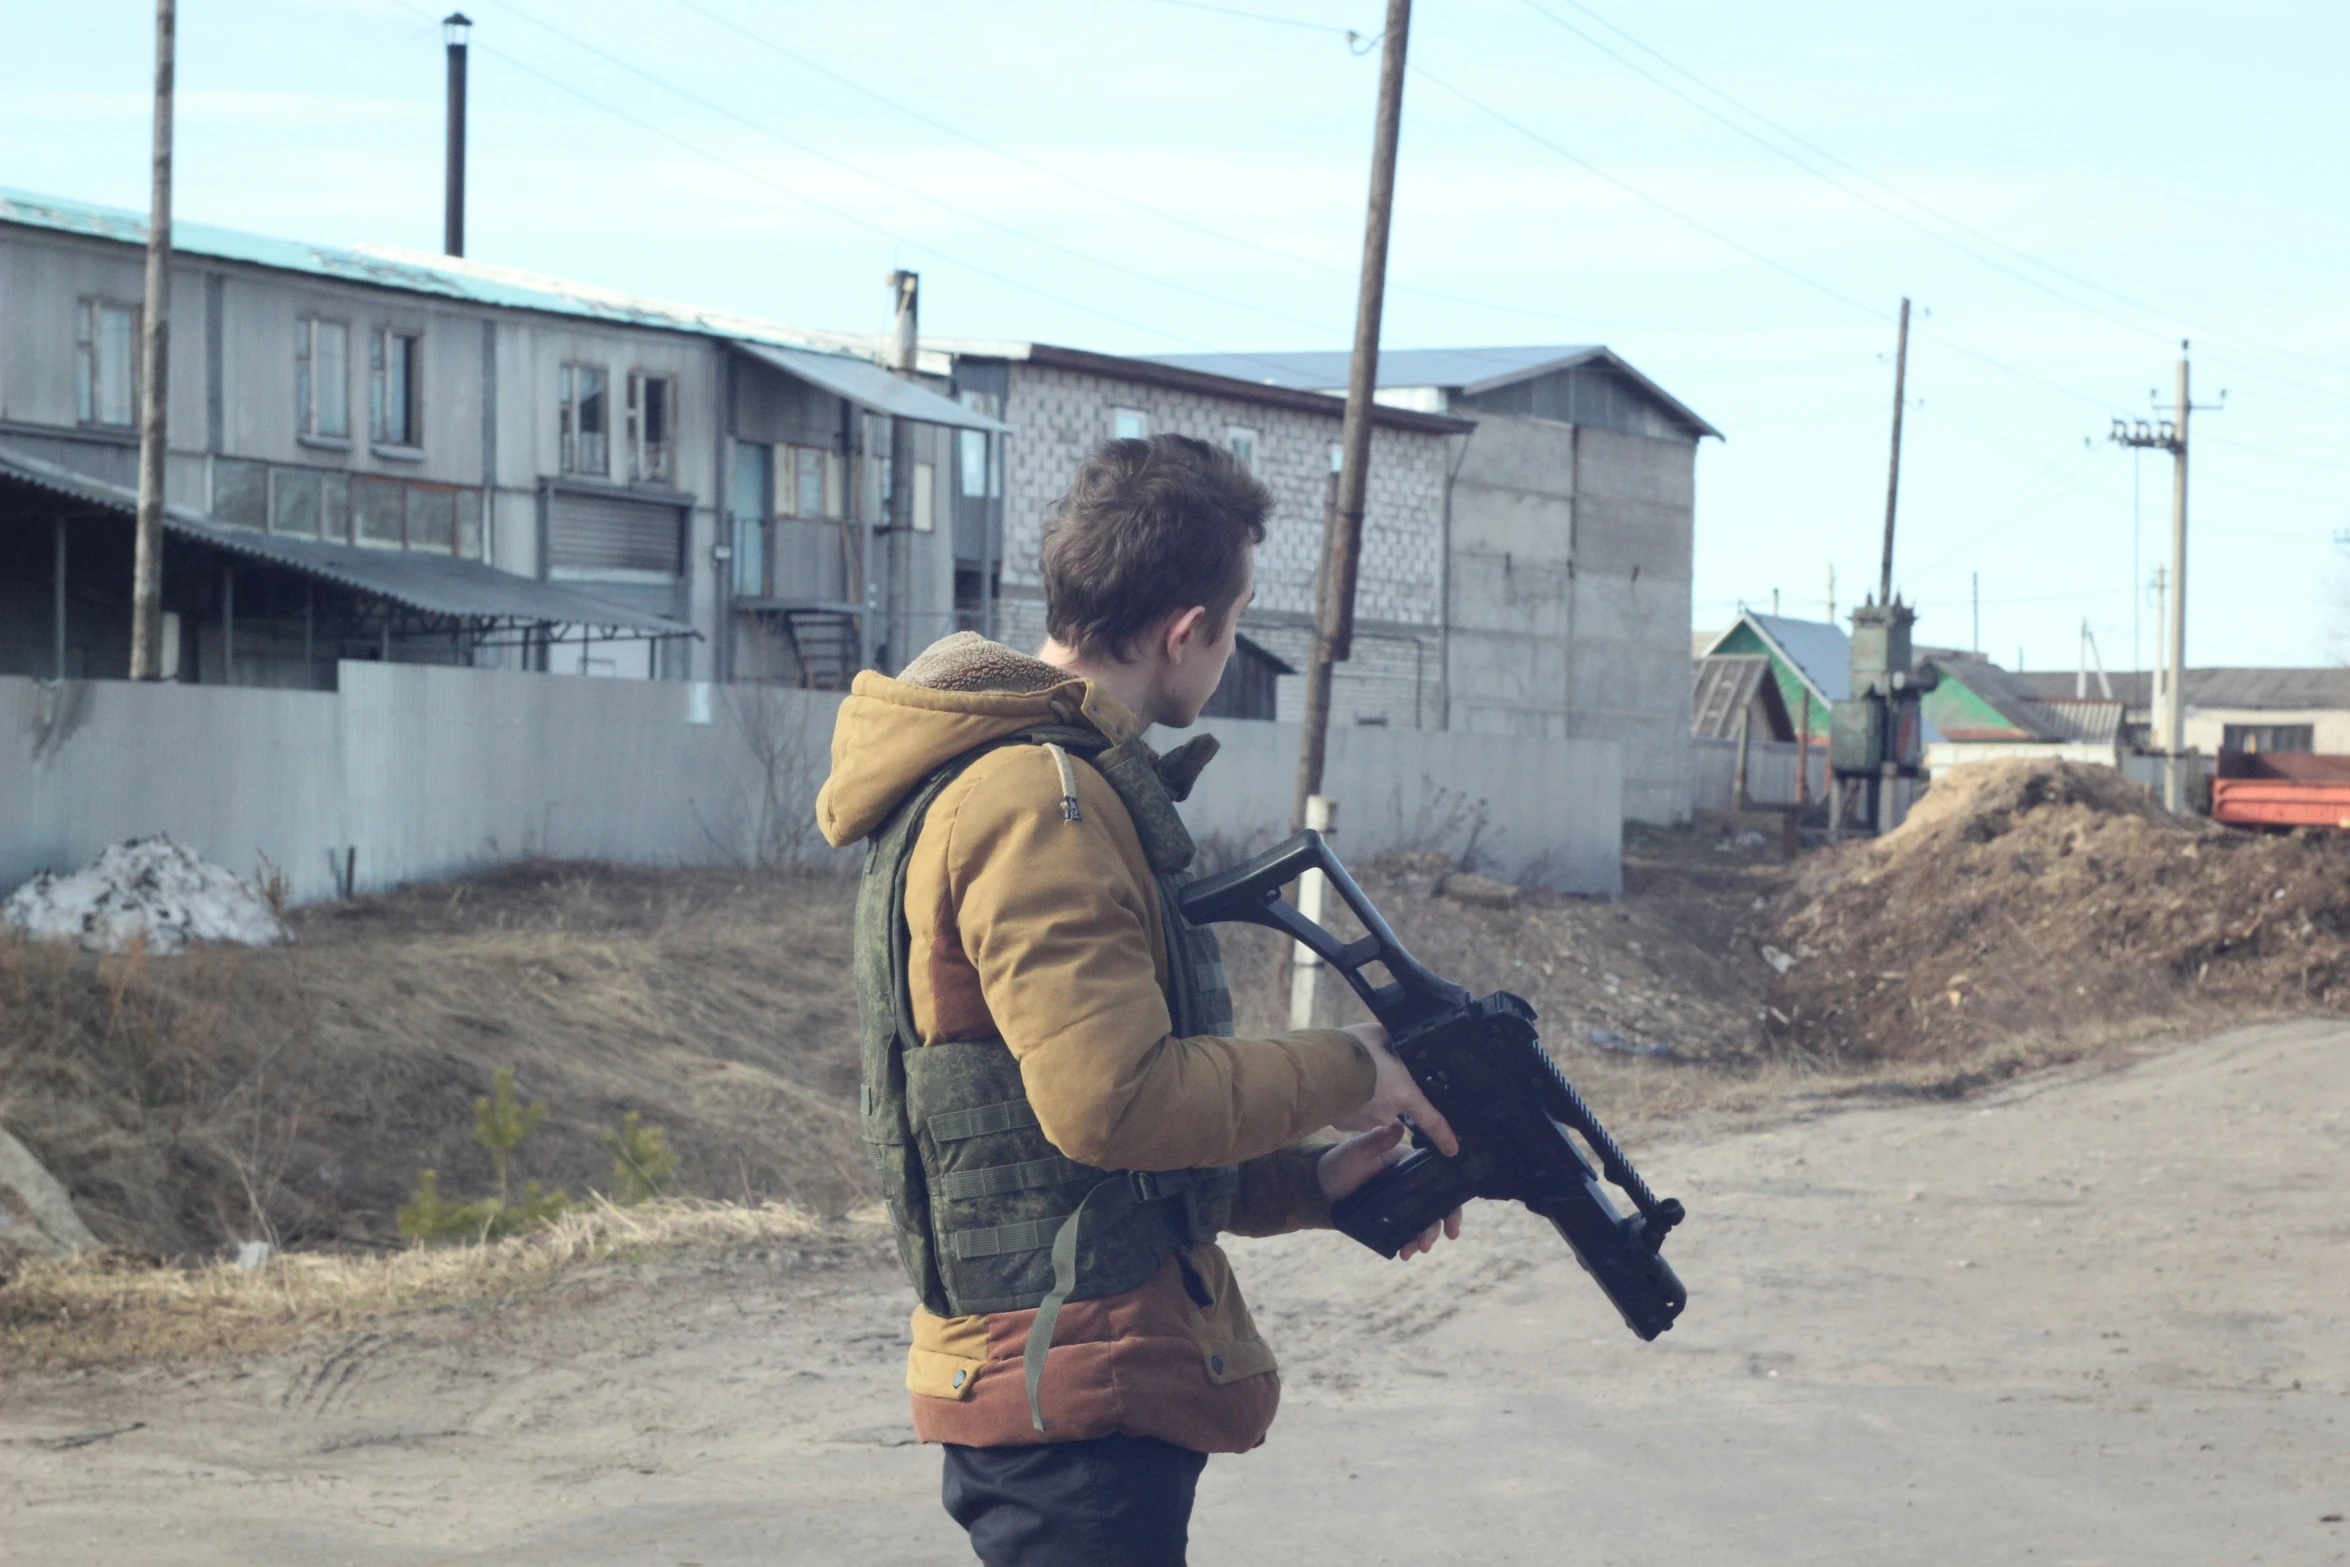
(1395, 1206)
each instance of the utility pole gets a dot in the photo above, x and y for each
(1831, 593)
(154, 375)
(1976, 578)
(1342, 530)
(1893, 472)
(2170, 435)
(456, 29)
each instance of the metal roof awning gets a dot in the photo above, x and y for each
(438, 585)
(871, 387)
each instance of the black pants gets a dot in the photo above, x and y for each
(1114, 1501)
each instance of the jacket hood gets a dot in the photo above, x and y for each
(962, 692)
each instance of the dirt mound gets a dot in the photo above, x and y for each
(292, 1093)
(2042, 897)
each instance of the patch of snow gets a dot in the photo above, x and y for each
(150, 889)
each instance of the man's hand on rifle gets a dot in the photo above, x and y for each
(1349, 1164)
(1381, 1141)
(1393, 1094)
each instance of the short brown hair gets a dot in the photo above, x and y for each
(1148, 528)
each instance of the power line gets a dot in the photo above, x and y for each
(1903, 196)
(1177, 219)
(965, 213)
(1264, 16)
(1955, 345)
(802, 197)
(1863, 197)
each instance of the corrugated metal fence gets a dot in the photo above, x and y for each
(1770, 773)
(410, 773)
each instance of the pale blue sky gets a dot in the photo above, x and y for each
(2180, 161)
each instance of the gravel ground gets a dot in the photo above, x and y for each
(2094, 1316)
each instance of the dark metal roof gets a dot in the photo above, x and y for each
(1181, 378)
(1467, 371)
(425, 583)
(2282, 690)
(1723, 687)
(867, 385)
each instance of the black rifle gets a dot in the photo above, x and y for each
(1480, 1063)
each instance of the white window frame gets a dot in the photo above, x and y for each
(570, 402)
(1119, 418)
(1242, 442)
(91, 381)
(309, 405)
(652, 462)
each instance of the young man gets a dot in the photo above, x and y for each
(1060, 1120)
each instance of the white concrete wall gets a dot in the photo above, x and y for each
(1569, 595)
(429, 771)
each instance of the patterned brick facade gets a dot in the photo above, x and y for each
(1396, 676)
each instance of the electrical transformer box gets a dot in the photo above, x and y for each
(1856, 738)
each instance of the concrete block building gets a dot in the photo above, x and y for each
(1570, 509)
(1063, 402)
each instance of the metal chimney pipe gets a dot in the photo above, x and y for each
(456, 28)
(905, 333)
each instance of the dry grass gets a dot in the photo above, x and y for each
(110, 1307)
(293, 1094)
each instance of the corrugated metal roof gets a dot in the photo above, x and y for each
(429, 584)
(1324, 370)
(2091, 719)
(2282, 690)
(445, 277)
(1819, 651)
(870, 386)
(1465, 370)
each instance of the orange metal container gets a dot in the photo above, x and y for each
(2282, 789)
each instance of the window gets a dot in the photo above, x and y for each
(322, 378)
(971, 458)
(652, 428)
(294, 501)
(1129, 424)
(379, 509)
(105, 355)
(583, 423)
(1243, 442)
(1337, 458)
(393, 414)
(808, 495)
(747, 500)
(925, 497)
(2268, 737)
(240, 493)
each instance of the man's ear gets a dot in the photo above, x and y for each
(1186, 629)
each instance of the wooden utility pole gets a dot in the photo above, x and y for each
(154, 377)
(1342, 530)
(1893, 472)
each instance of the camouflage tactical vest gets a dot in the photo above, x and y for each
(989, 1215)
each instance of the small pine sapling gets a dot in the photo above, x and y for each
(501, 1122)
(642, 1160)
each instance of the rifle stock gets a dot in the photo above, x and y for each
(1480, 1062)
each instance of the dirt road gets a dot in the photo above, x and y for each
(2095, 1317)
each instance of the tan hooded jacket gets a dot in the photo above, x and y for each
(1047, 932)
